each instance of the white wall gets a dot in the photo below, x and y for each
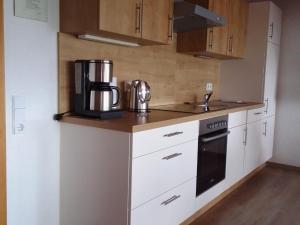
(287, 132)
(32, 159)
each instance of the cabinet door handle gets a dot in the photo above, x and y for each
(173, 134)
(231, 43)
(265, 131)
(170, 200)
(171, 156)
(170, 36)
(272, 30)
(267, 106)
(245, 136)
(138, 10)
(258, 113)
(211, 38)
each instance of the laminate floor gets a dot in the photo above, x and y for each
(272, 197)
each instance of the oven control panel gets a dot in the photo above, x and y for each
(218, 125)
(213, 124)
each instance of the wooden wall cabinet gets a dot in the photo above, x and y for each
(237, 27)
(145, 22)
(218, 42)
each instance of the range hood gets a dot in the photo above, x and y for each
(189, 16)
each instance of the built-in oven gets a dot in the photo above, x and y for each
(212, 149)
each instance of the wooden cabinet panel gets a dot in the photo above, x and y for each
(155, 20)
(217, 36)
(237, 23)
(171, 22)
(123, 17)
(219, 42)
(146, 22)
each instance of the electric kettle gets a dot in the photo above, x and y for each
(139, 96)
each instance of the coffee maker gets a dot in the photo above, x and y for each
(93, 95)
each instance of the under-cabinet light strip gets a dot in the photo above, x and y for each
(107, 40)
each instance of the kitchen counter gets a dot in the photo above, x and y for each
(132, 122)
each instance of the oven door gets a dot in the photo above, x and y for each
(211, 167)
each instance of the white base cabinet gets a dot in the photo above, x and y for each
(271, 77)
(170, 208)
(253, 150)
(268, 138)
(163, 178)
(161, 171)
(235, 154)
(149, 177)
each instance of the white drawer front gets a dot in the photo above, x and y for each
(255, 115)
(161, 171)
(149, 141)
(171, 208)
(237, 119)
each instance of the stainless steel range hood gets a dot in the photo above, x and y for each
(188, 17)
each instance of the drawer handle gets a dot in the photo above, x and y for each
(173, 134)
(172, 156)
(258, 113)
(170, 200)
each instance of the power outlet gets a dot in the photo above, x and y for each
(209, 87)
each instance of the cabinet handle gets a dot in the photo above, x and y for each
(267, 106)
(173, 134)
(138, 18)
(265, 131)
(231, 43)
(272, 30)
(258, 113)
(170, 19)
(170, 200)
(211, 38)
(245, 136)
(171, 156)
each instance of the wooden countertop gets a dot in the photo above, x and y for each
(132, 122)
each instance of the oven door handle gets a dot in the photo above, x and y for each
(208, 139)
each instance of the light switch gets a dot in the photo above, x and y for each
(19, 115)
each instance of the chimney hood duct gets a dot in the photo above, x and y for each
(189, 16)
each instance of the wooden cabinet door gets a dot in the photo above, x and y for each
(121, 17)
(235, 155)
(237, 22)
(274, 33)
(171, 22)
(155, 20)
(217, 36)
(271, 76)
